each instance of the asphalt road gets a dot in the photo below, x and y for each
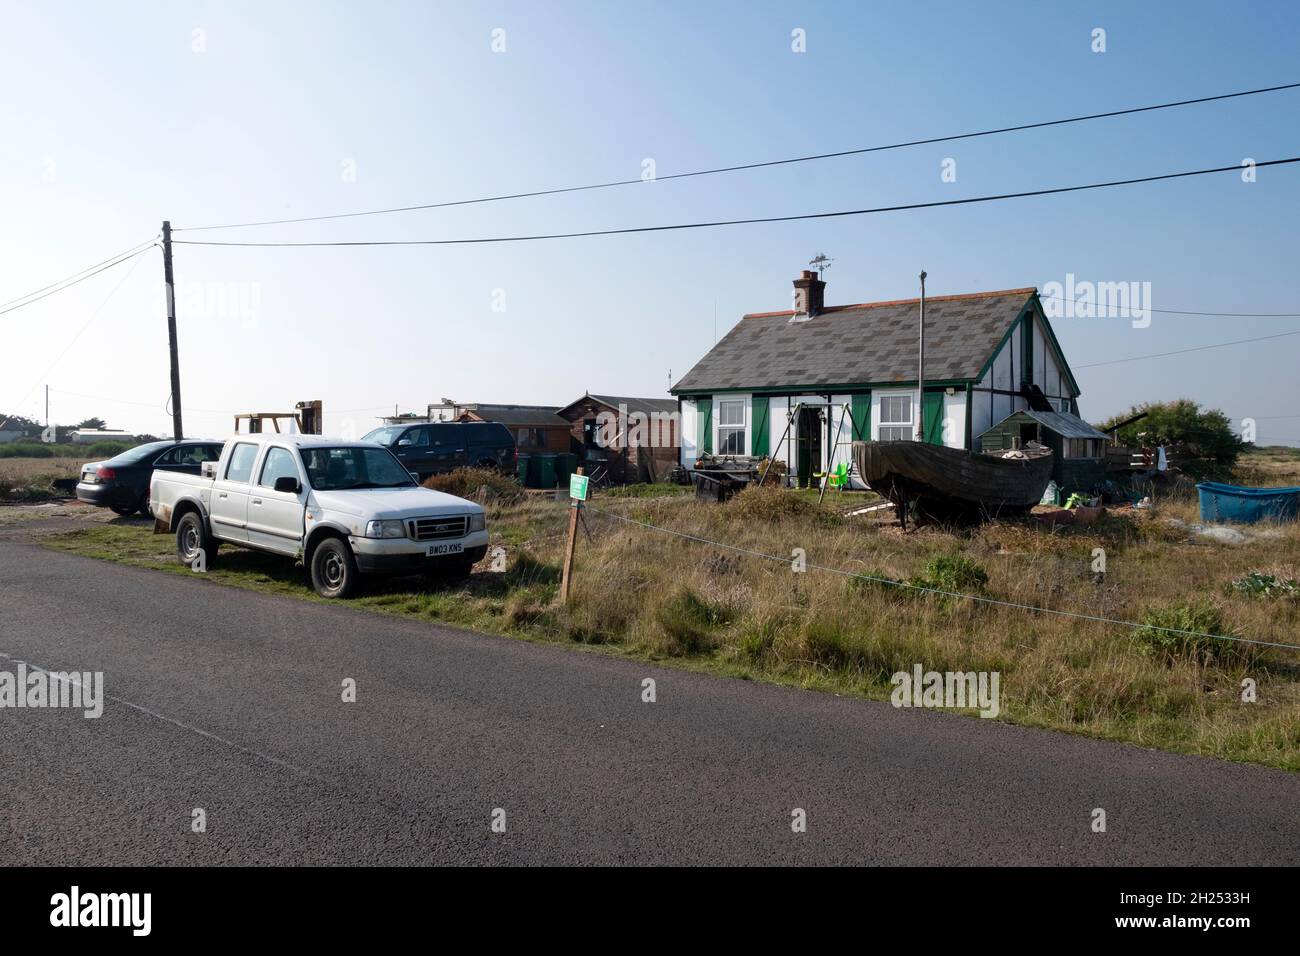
(231, 702)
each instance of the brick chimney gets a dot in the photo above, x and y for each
(808, 294)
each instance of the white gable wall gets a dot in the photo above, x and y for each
(987, 409)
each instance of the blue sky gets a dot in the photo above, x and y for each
(112, 121)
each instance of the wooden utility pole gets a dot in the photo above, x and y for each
(575, 508)
(178, 431)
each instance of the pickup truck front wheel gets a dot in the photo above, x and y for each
(334, 571)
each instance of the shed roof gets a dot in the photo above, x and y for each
(1064, 424)
(520, 416)
(647, 406)
(858, 344)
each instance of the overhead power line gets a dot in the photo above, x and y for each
(75, 274)
(1220, 315)
(63, 284)
(1198, 348)
(744, 166)
(746, 222)
(72, 341)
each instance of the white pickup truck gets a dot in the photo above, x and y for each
(343, 508)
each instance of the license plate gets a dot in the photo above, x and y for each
(455, 548)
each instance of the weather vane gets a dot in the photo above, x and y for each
(821, 262)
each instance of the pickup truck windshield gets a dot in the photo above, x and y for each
(338, 469)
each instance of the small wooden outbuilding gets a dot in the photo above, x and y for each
(1078, 449)
(632, 439)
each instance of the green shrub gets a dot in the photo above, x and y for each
(826, 643)
(1164, 634)
(952, 572)
(688, 621)
(465, 483)
(26, 449)
(525, 571)
(768, 503)
(873, 580)
(107, 449)
(1265, 585)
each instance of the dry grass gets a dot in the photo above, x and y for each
(28, 478)
(672, 598)
(1270, 466)
(649, 594)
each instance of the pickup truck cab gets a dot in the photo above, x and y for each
(343, 508)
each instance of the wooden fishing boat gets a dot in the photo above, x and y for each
(947, 483)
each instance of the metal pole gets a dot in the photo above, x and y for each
(178, 431)
(920, 369)
(772, 457)
(830, 462)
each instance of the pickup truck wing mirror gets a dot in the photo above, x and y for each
(288, 483)
(405, 442)
(208, 469)
(415, 476)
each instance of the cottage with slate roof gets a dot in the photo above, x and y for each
(987, 356)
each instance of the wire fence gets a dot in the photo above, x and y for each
(980, 598)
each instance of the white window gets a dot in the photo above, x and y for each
(731, 428)
(896, 418)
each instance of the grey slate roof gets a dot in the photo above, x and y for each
(645, 405)
(857, 344)
(1063, 423)
(520, 416)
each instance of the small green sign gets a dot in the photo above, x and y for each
(578, 487)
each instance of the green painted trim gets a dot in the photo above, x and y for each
(1035, 306)
(997, 350)
(1051, 337)
(777, 391)
(762, 429)
(1027, 348)
(704, 417)
(970, 409)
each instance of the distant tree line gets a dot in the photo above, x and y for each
(31, 430)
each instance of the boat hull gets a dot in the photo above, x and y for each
(950, 481)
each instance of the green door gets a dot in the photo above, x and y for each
(706, 425)
(932, 417)
(860, 409)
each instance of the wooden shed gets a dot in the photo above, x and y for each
(1078, 449)
(632, 439)
(537, 429)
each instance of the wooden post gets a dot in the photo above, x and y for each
(570, 546)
